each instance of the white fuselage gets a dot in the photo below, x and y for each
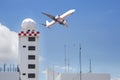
(68, 13)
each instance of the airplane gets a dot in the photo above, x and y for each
(59, 18)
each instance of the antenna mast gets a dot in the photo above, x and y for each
(90, 66)
(53, 73)
(68, 64)
(80, 60)
(65, 56)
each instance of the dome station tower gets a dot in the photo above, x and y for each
(28, 50)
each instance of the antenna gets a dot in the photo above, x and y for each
(80, 60)
(53, 72)
(65, 56)
(4, 67)
(68, 64)
(90, 66)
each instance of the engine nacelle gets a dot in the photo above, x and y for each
(64, 22)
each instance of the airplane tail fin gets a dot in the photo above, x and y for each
(47, 22)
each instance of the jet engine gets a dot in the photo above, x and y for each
(64, 22)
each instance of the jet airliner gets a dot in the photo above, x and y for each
(59, 18)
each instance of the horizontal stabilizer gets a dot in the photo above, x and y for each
(43, 24)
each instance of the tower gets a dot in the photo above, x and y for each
(28, 50)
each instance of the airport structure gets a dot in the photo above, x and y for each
(28, 66)
(9, 76)
(28, 50)
(52, 75)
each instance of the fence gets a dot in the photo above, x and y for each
(9, 68)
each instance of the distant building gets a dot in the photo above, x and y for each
(51, 75)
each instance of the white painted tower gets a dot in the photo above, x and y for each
(28, 50)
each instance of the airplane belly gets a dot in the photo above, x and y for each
(60, 20)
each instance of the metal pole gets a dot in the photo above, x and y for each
(65, 57)
(90, 67)
(53, 72)
(4, 67)
(68, 65)
(10, 67)
(80, 60)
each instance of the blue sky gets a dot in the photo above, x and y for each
(95, 25)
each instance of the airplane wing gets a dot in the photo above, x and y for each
(50, 16)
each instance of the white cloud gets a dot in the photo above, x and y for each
(41, 59)
(8, 44)
(44, 72)
(68, 68)
(71, 69)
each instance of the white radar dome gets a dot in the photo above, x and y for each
(28, 23)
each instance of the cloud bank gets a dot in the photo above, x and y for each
(8, 45)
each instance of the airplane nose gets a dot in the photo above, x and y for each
(73, 10)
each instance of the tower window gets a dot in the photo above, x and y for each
(31, 57)
(31, 75)
(31, 66)
(24, 74)
(24, 46)
(31, 38)
(31, 47)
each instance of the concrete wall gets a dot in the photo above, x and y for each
(87, 76)
(76, 76)
(9, 76)
(51, 75)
